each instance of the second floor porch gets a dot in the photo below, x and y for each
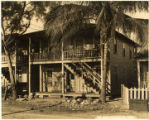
(66, 54)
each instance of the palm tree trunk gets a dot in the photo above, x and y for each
(104, 75)
(102, 71)
(103, 66)
(14, 95)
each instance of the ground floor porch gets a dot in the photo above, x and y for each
(69, 79)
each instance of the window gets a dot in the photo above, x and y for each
(115, 46)
(123, 51)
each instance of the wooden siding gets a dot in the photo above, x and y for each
(123, 68)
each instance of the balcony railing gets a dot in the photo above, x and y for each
(5, 59)
(44, 57)
(68, 54)
(81, 54)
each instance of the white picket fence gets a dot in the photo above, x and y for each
(134, 94)
(139, 93)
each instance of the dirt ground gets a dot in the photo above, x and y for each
(56, 108)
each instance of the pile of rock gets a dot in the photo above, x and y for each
(81, 104)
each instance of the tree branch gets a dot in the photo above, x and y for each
(26, 28)
(20, 16)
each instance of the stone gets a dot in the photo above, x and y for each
(30, 97)
(96, 101)
(79, 100)
(26, 96)
(73, 101)
(36, 96)
(21, 99)
(41, 96)
(68, 101)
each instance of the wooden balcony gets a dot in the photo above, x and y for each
(74, 54)
(4, 60)
(36, 57)
(81, 54)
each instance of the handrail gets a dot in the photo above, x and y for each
(98, 78)
(95, 74)
(89, 73)
(89, 68)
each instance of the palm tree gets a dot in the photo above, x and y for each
(63, 21)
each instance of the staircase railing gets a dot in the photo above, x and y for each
(96, 76)
(89, 74)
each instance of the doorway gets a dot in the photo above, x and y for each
(35, 78)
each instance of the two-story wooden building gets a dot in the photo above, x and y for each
(73, 67)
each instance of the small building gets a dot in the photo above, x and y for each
(72, 67)
(143, 66)
(143, 72)
(142, 58)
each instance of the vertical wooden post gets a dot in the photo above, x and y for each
(135, 93)
(138, 94)
(15, 63)
(65, 82)
(146, 94)
(131, 92)
(127, 95)
(29, 82)
(40, 76)
(46, 80)
(142, 90)
(138, 68)
(40, 50)
(43, 83)
(62, 68)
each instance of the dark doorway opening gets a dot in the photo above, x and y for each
(35, 78)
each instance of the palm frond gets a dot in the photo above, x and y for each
(64, 19)
(130, 6)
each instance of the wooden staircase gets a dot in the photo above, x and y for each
(97, 77)
(92, 80)
(91, 77)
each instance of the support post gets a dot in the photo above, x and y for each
(15, 63)
(40, 50)
(138, 68)
(29, 82)
(62, 69)
(65, 82)
(44, 78)
(41, 78)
